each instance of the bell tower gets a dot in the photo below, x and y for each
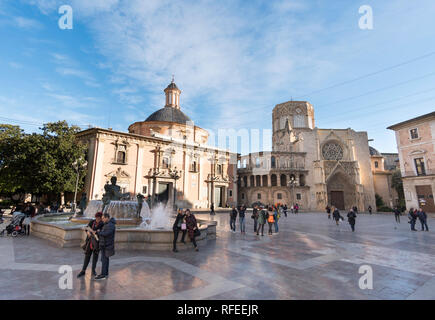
(289, 119)
(172, 95)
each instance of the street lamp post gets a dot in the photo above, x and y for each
(291, 184)
(77, 166)
(175, 175)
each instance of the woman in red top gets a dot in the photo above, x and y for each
(91, 245)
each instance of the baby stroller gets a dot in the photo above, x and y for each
(15, 228)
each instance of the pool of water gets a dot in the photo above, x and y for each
(61, 219)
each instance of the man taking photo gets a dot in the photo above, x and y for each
(107, 244)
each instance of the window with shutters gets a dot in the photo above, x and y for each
(419, 166)
(413, 133)
(121, 154)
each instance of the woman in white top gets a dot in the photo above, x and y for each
(26, 224)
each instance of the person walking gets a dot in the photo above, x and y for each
(276, 217)
(336, 215)
(255, 214)
(233, 217)
(351, 216)
(397, 214)
(422, 216)
(270, 219)
(107, 244)
(296, 208)
(212, 213)
(179, 226)
(370, 209)
(192, 228)
(261, 221)
(242, 210)
(26, 223)
(281, 210)
(91, 247)
(328, 211)
(285, 210)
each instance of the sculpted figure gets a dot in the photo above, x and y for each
(113, 192)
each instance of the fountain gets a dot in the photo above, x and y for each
(126, 212)
(138, 227)
(159, 218)
(93, 207)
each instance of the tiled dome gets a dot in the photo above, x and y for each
(169, 114)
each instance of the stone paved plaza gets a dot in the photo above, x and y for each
(310, 258)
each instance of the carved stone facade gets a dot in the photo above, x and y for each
(162, 158)
(309, 166)
(416, 145)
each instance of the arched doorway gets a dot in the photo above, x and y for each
(341, 191)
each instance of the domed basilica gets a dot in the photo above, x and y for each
(166, 158)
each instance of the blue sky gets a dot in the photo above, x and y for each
(233, 60)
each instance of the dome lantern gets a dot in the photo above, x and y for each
(172, 95)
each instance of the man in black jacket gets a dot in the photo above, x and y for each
(351, 216)
(423, 219)
(177, 227)
(233, 217)
(107, 244)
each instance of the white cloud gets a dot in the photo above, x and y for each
(74, 102)
(208, 46)
(61, 58)
(234, 58)
(15, 65)
(89, 80)
(27, 23)
(289, 5)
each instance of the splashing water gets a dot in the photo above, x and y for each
(93, 207)
(158, 218)
(122, 209)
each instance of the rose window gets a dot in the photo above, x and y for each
(332, 151)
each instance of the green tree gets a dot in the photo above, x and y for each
(397, 184)
(379, 201)
(41, 162)
(11, 159)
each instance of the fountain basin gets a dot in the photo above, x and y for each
(127, 237)
(126, 221)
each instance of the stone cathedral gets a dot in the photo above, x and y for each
(309, 166)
